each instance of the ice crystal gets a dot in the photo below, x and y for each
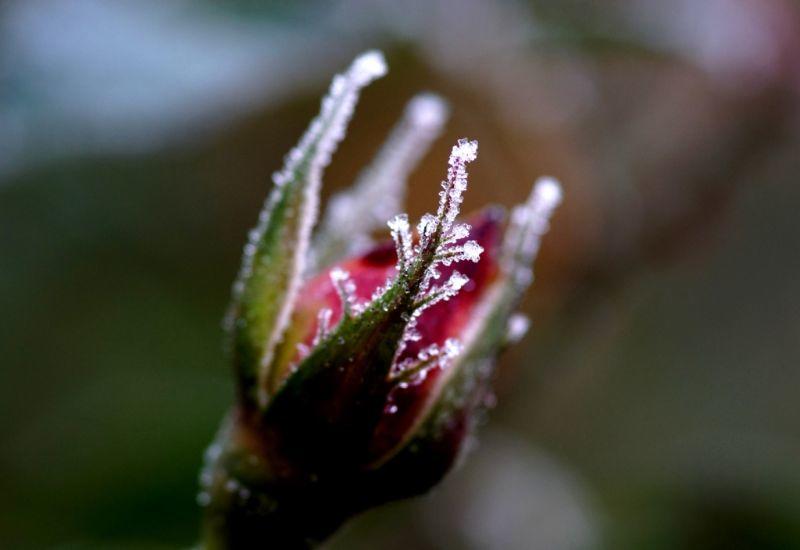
(346, 289)
(428, 357)
(444, 292)
(323, 325)
(379, 191)
(401, 234)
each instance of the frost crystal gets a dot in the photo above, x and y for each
(427, 358)
(401, 234)
(529, 221)
(444, 292)
(379, 191)
(323, 325)
(464, 151)
(453, 188)
(346, 289)
(472, 251)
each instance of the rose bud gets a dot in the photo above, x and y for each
(361, 366)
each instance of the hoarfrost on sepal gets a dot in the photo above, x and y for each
(379, 191)
(401, 234)
(451, 196)
(345, 288)
(528, 223)
(464, 151)
(437, 238)
(472, 251)
(328, 128)
(444, 292)
(323, 325)
(270, 277)
(428, 357)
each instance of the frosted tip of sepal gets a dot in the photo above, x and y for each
(548, 191)
(465, 150)
(368, 66)
(428, 110)
(472, 251)
(399, 223)
(338, 275)
(457, 281)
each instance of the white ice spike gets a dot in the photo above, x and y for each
(345, 288)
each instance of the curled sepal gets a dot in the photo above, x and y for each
(275, 255)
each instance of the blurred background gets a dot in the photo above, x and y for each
(654, 403)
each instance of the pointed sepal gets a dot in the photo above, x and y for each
(276, 253)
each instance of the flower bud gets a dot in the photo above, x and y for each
(360, 381)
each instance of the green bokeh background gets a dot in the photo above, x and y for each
(659, 382)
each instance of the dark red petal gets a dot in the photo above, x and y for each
(368, 272)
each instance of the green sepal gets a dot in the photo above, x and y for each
(276, 254)
(326, 410)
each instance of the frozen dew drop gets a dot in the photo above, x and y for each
(323, 327)
(518, 325)
(231, 485)
(472, 251)
(465, 150)
(399, 223)
(426, 225)
(457, 281)
(452, 347)
(459, 231)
